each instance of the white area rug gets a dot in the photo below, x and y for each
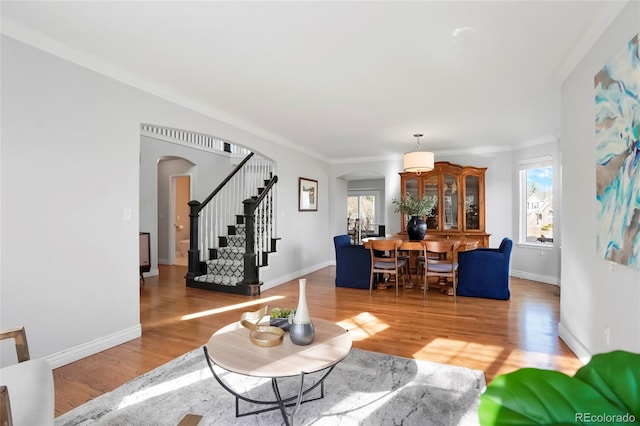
(366, 388)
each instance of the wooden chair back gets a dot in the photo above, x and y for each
(20, 337)
(441, 260)
(382, 264)
(22, 352)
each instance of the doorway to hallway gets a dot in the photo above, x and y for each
(181, 188)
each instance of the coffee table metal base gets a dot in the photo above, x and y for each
(280, 402)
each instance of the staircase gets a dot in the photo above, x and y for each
(233, 266)
(225, 267)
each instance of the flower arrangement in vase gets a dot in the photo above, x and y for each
(416, 209)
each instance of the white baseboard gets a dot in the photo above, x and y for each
(574, 344)
(152, 273)
(75, 353)
(535, 277)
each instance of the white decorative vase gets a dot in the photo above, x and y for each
(302, 331)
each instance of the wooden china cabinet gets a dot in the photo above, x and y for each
(460, 194)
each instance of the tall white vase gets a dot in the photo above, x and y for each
(302, 331)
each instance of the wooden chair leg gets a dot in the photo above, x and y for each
(425, 285)
(5, 407)
(454, 284)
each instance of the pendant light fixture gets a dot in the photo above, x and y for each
(418, 161)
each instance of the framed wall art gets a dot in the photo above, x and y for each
(307, 195)
(617, 98)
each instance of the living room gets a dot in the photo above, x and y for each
(71, 204)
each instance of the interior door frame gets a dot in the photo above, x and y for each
(172, 212)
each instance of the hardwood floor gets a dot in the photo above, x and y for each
(490, 335)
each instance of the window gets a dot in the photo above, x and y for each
(536, 201)
(361, 210)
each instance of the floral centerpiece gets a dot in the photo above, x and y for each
(416, 209)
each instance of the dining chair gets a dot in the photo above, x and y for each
(406, 269)
(441, 261)
(381, 264)
(421, 257)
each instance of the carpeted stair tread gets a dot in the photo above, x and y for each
(220, 279)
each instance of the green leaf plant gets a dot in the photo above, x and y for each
(604, 391)
(415, 207)
(282, 313)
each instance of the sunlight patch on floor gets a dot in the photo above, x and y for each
(363, 326)
(230, 308)
(165, 387)
(448, 351)
(517, 358)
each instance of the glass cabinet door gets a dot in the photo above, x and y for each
(411, 187)
(431, 189)
(450, 206)
(471, 202)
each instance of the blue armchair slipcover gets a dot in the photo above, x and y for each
(353, 263)
(484, 272)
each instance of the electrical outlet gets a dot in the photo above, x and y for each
(607, 335)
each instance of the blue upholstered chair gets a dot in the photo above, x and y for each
(353, 263)
(484, 272)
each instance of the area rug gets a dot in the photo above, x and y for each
(366, 388)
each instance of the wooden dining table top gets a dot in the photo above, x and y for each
(464, 244)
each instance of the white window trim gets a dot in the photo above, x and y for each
(523, 166)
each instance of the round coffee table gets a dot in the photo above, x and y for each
(231, 349)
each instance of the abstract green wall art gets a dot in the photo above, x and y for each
(617, 121)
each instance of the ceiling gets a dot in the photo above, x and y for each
(342, 81)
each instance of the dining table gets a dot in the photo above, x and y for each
(415, 246)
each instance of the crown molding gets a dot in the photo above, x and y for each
(588, 40)
(39, 41)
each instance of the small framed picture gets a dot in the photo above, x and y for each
(307, 195)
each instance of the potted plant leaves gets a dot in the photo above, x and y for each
(282, 317)
(604, 391)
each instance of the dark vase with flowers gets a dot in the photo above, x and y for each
(416, 228)
(416, 209)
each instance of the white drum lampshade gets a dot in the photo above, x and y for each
(418, 161)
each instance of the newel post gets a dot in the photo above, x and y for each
(250, 264)
(194, 251)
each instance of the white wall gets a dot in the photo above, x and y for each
(70, 175)
(69, 181)
(594, 294)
